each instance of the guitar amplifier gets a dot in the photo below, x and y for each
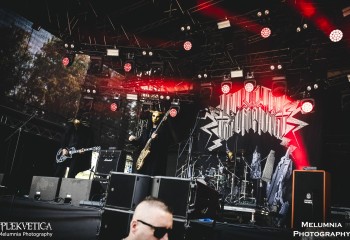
(110, 160)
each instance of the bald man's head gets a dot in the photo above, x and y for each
(150, 214)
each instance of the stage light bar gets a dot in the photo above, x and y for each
(131, 96)
(237, 74)
(113, 52)
(224, 24)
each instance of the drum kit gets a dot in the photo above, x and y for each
(230, 178)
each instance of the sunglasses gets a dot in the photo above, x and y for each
(159, 232)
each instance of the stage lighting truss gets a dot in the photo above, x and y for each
(307, 105)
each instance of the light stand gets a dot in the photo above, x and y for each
(19, 130)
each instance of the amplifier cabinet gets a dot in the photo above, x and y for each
(310, 197)
(126, 190)
(110, 160)
(174, 192)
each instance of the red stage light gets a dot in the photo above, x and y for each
(187, 45)
(265, 32)
(127, 67)
(173, 112)
(226, 87)
(67, 61)
(113, 107)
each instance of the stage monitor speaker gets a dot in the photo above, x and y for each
(174, 192)
(47, 186)
(204, 202)
(310, 197)
(110, 160)
(115, 223)
(80, 190)
(126, 190)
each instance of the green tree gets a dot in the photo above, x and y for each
(53, 86)
(15, 59)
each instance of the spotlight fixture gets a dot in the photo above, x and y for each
(336, 35)
(226, 87)
(127, 66)
(174, 107)
(279, 86)
(249, 85)
(68, 60)
(206, 91)
(202, 75)
(278, 67)
(265, 32)
(69, 45)
(114, 106)
(185, 28)
(187, 45)
(147, 53)
(307, 105)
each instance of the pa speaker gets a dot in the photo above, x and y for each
(110, 160)
(47, 186)
(126, 190)
(310, 197)
(80, 190)
(174, 192)
(115, 223)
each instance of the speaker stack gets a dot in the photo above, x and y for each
(75, 190)
(124, 192)
(310, 197)
(187, 199)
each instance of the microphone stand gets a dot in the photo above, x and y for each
(189, 142)
(19, 130)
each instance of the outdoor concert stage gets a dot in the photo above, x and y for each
(65, 221)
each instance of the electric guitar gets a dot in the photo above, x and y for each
(60, 157)
(147, 148)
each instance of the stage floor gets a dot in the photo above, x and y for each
(52, 220)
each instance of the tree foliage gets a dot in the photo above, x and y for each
(15, 59)
(53, 86)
